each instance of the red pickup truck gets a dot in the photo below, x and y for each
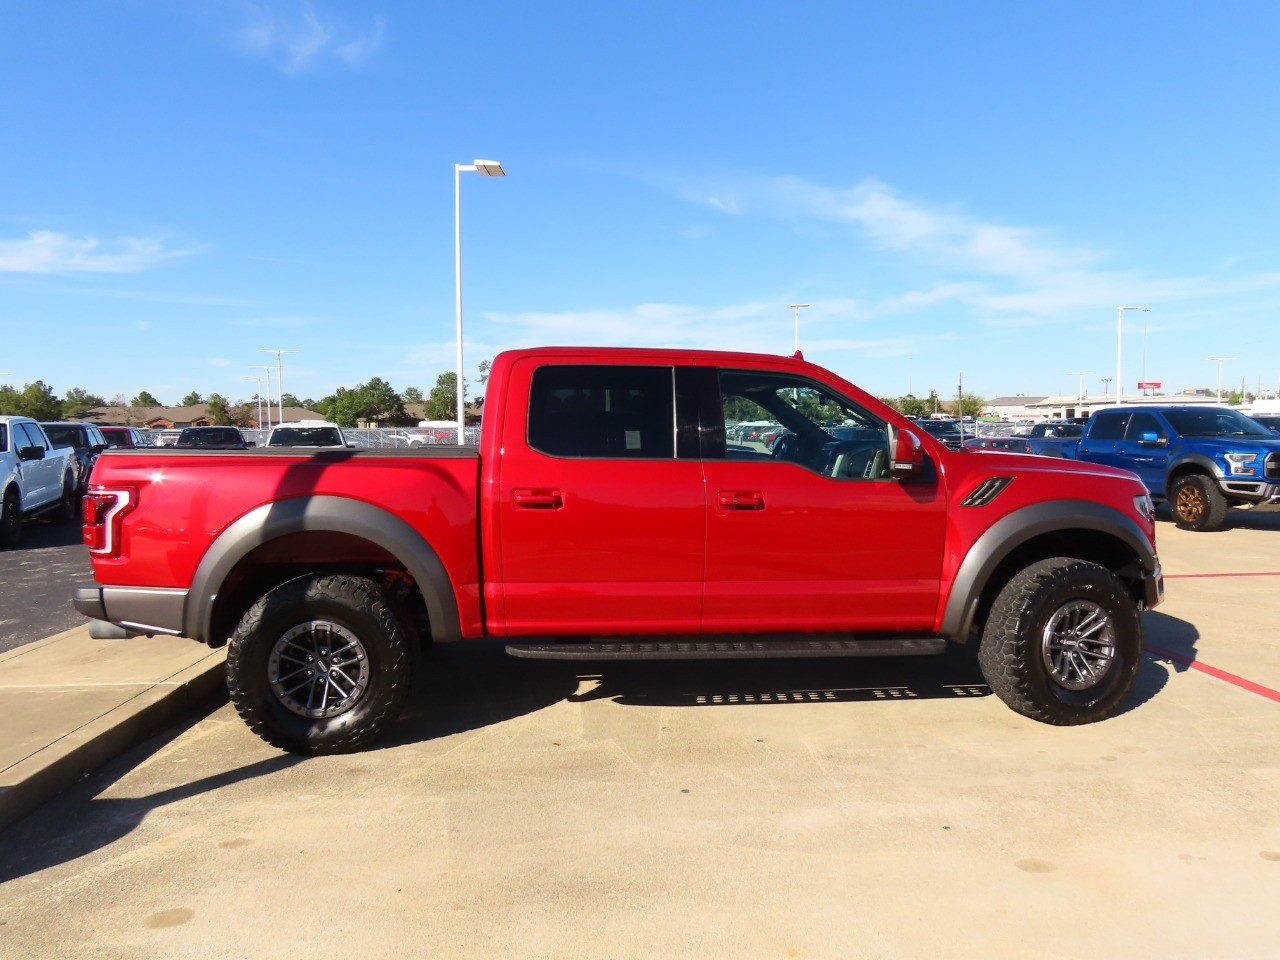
(616, 508)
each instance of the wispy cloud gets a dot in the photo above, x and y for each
(44, 251)
(1006, 275)
(296, 37)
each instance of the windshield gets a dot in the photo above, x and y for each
(306, 437)
(65, 436)
(1193, 422)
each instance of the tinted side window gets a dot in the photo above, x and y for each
(1141, 423)
(1109, 426)
(585, 410)
(29, 437)
(4, 436)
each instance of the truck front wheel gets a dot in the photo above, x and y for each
(1197, 503)
(1063, 642)
(10, 519)
(320, 665)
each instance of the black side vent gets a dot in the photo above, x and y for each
(986, 491)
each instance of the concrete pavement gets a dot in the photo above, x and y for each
(70, 703)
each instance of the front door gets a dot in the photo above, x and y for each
(805, 529)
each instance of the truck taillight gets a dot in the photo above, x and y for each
(103, 510)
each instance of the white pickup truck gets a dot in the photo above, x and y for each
(35, 478)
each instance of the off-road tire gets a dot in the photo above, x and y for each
(10, 520)
(1197, 503)
(1024, 657)
(339, 606)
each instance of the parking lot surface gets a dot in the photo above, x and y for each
(752, 809)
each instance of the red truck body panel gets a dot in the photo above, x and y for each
(534, 544)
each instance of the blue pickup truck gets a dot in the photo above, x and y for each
(1203, 460)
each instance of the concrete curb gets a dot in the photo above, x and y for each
(86, 743)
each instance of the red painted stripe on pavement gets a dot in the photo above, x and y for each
(1200, 576)
(1231, 678)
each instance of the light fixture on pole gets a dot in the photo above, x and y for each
(1080, 393)
(1120, 348)
(266, 374)
(796, 307)
(1106, 388)
(1220, 361)
(486, 168)
(279, 377)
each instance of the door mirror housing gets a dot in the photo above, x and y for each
(1151, 439)
(30, 453)
(908, 456)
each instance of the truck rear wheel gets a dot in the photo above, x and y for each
(320, 665)
(1063, 642)
(1197, 503)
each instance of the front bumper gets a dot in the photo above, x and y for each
(1256, 494)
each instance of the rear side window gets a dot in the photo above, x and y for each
(1109, 426)
(4, 436)
(588, 410)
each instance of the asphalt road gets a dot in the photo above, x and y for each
(36, 579)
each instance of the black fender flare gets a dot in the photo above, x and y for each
(1203, 462)
(321, 513)
(1025, 524)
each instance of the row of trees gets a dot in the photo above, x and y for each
(969, 405)
(375, 402)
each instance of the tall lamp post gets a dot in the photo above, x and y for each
(258, 381)
(1220, 361)
(266, 375)
(1106, 388)
(486, 168)
(1120, 349)
(796, 307)
(279, 377)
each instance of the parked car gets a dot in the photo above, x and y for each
(211, 438)
(124, 436)
(36, 477)
(945, 431)
(1016, 444)
(86, 442)
(166, 438)
(1054, 438)
(307, 433)
(1270, 421)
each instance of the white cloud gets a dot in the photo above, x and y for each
(219, 362)
(295, 37)
(44, 251)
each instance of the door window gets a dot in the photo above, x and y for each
(788, 419)
(1109, 426)
(1141, 423)
(603, 411)
(29, 437)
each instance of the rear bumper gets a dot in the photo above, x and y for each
(138, 610)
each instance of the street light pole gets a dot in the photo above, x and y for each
(486, 168)
(258, 381)
(1080, 393)
(1220, 361)
(796, 307)
(1120, 349)
(1106, 389)
(279, 378)
(266, 374)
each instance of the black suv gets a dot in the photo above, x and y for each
(85, 439)
(211, 438)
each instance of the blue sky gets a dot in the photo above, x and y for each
(956, 189)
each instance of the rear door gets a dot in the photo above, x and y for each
(601, 519)
(1104, 432)
(812, 533)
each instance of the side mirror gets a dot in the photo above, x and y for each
(97, 448)
(249, 443)
(30, 453)
(908, 456)
(1151, 439)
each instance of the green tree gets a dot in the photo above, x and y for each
(291, 401)
(971, 405)
(912, 406)
(191, 399)
(413, 395)
(443, 402)
(77, 401)
(35, 400)
(374, 401)
(145, 399)
(218, 410)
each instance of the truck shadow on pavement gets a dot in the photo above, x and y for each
(82, 821)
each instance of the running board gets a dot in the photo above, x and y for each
(725, 649)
